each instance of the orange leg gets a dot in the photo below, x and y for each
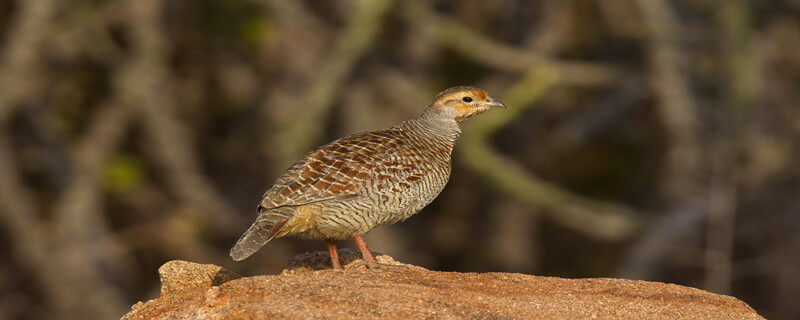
(334, 254)
(366, 255)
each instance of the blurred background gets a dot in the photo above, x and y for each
(648, 139)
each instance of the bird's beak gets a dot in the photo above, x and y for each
(494, 103)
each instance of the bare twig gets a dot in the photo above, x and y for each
(553, 30)
(84, 247)
(599, 219)
(662, 235)
(145, 87)
(720, 234)
(304, 130)
(19, 64)
(512, 245)
(741, 95)
(18, 210)
(18, 216)
(676, 106)
(601, 116)
(294, 21)
(490, 52)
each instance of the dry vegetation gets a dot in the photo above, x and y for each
(645, 139)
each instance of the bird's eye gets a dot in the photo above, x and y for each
(466, 99)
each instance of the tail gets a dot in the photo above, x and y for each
(267, 226)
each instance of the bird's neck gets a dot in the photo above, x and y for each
(435, 126)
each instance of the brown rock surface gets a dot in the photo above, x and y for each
(350, 259)
(409, 292)
(179, 275)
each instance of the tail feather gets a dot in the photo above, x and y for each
(266, 227)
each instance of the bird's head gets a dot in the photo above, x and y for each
(462, 102)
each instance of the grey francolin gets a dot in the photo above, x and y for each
(349, 186)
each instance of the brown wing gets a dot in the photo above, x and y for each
(335, 170)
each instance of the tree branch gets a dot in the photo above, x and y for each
(304, 130)
(599, 219)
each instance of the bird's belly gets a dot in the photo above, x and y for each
(407, 202)
(339, 220)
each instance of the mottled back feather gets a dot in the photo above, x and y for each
(336, 170)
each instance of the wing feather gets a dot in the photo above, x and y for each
(337, 170)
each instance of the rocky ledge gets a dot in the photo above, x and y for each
(308, 289)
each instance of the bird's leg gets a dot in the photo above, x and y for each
(366, 255)
(334, 254)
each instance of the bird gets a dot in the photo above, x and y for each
(345, 188)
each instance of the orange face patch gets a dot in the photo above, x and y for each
(457, 94)
(463, 108)
(480, 94)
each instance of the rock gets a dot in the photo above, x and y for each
(303, 291)
(179, 275)
(349, 258)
